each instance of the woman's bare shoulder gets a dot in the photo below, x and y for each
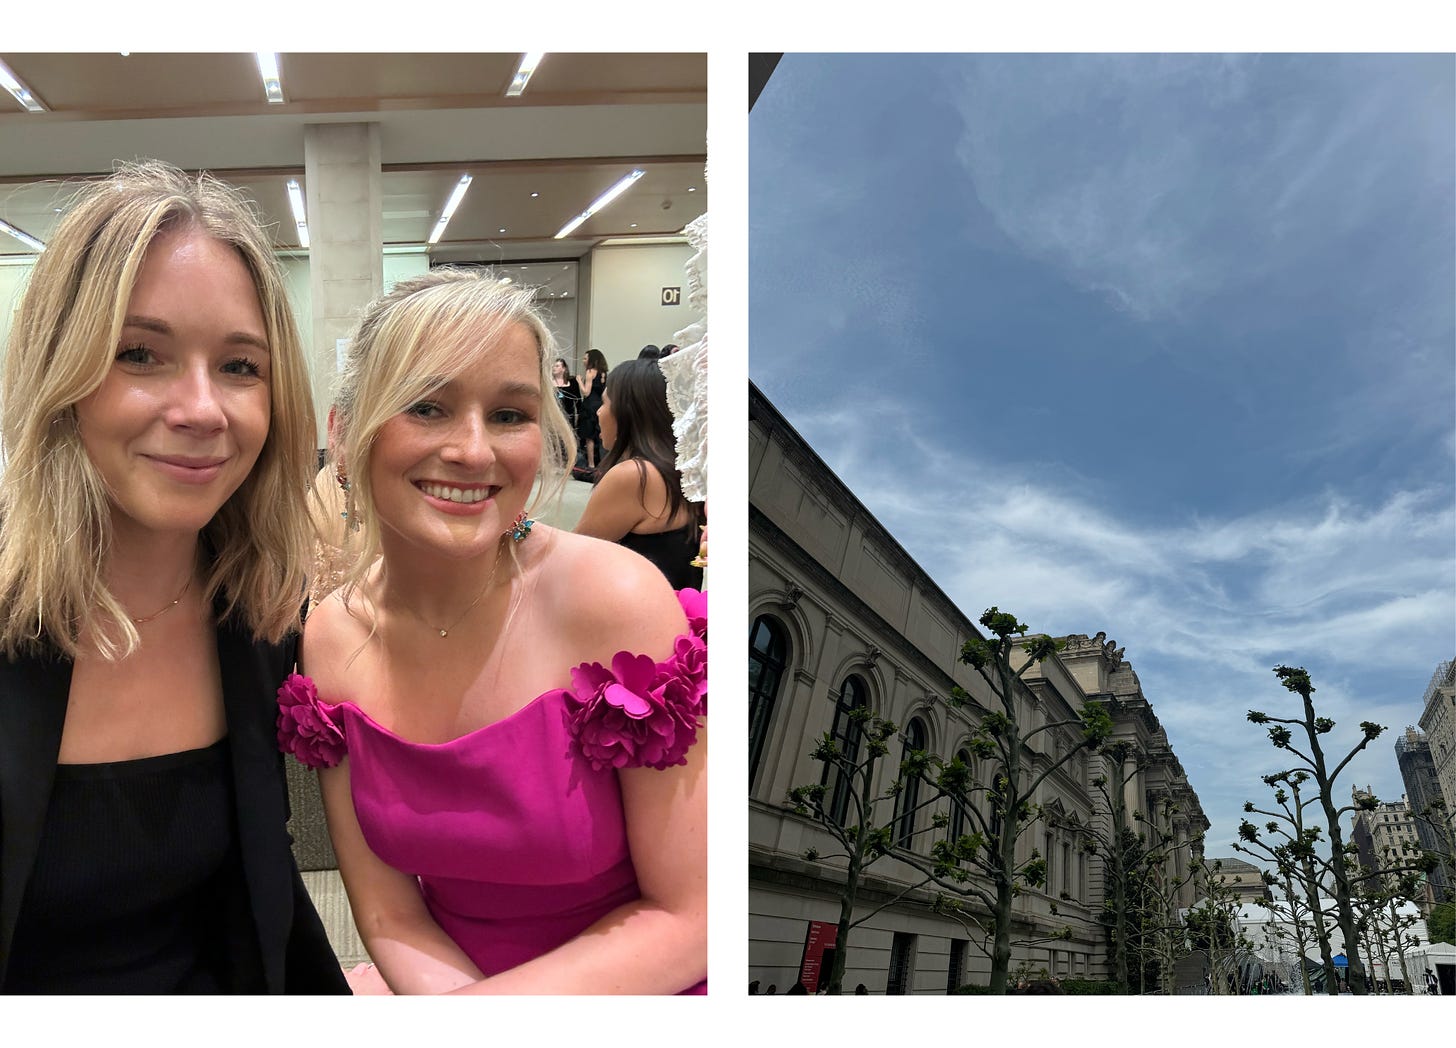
(606, 592)
(333, 633)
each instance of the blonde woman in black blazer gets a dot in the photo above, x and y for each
(158, 433)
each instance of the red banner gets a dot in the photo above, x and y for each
(820, 940)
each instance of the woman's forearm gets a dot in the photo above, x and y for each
(417, 957)
(639, 948)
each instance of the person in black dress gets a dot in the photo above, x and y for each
(638, 500)
(568, 390)
(159, 433)
(592, 382)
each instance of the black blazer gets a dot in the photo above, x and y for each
(280, 932)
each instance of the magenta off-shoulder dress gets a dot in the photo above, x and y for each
(516, 830)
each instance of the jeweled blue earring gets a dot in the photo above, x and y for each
(520, 528)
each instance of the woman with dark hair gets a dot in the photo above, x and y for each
(591, 384)
(638, 501)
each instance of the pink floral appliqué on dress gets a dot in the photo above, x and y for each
(639, 713)
(306, 727)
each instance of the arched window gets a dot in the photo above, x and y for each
(905, 804)
(846, 734)
(960, 819)
(768, 654)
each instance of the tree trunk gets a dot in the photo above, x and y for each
(1345, 915)
(846, 914)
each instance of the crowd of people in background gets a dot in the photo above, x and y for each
(625, 448)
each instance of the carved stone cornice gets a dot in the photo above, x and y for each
(892, 643)
(1081, 644)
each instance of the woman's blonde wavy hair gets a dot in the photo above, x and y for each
(56, 532)
(423, 332)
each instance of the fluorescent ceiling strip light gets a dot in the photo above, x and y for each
(450, 206)
(300, 220)
(600, 202)
(21, 235)
(22, 93)
(529, 61)
(272, 83)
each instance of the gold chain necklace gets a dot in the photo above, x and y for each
(444, 631)
(175, 601)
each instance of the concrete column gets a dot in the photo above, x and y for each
(344, 193)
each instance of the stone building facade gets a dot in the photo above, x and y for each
(1244, 879)
(1386, 834)
(1438, 721)
(841, 616)
(1418, 772)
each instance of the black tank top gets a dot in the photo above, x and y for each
(672, 552)
(132, 879)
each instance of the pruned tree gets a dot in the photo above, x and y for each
(1295, 854)
(1295, 913)
(1379, 892)
(1161, 934)
(854, 818)
(1136, 852)
(1313, 729)
(1439, 821)
(975, 863)
(1441, 923)
(1213, 927)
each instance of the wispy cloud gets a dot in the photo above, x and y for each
(1116, 169)
(1360, 594)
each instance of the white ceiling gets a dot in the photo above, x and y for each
(583, 122)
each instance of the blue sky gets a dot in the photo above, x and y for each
(1157, 345)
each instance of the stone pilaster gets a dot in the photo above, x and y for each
(344, 195)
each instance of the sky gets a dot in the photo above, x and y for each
(1161, 345)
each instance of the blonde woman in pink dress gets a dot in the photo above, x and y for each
(508, 718)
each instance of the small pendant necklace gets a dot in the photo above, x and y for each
(166, 608)
(444, 631)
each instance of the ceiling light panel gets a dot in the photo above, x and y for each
(622, 185)
(22, 236)
(19, 91)
(272, 81)
(300, 218)
(529, 61)
(450, 205)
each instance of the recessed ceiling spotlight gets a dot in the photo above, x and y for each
(692, 189)
(272, 83)
(634, 225)
(500, 231)
(534, 194)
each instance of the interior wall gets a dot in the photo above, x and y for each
(626, 298)
(561, 318)
(12, 282)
